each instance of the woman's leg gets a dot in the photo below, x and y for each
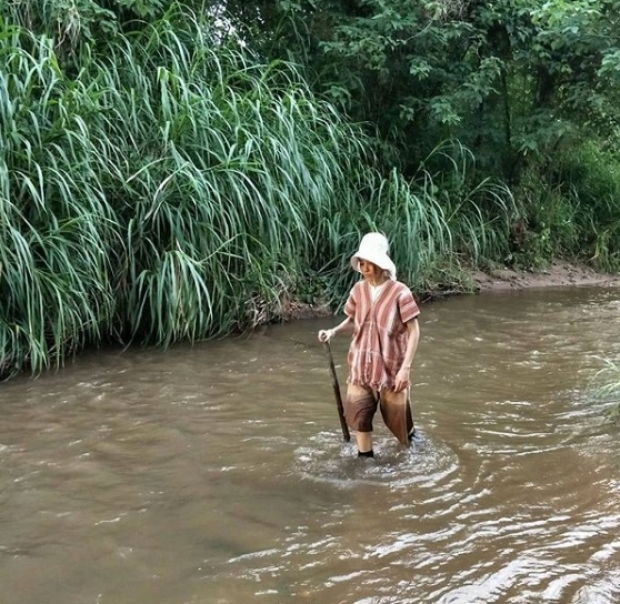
(364, 442)
(396, 412)
(359, 408)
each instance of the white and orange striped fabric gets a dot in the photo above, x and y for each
(379, 338)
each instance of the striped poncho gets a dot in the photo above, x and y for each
(380, 334)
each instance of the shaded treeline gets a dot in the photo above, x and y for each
(160, 183)
(530, 88)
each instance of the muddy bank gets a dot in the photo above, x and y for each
(558, 274)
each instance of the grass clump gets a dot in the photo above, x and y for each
(606, 386)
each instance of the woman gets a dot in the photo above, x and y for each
(384, 318)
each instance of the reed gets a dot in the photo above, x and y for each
(605, 385)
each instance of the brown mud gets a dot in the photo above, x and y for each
(558, 274)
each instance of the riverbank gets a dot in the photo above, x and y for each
(558, 274)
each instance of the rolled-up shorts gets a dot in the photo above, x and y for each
(361, 405)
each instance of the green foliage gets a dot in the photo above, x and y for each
(509, 79)
(56, 241)
(436, 222)
(184, 195)
(546, 228)
(68, 21)
(570, 207)
(519, 83)
(160, 182)
(594, 177)
(153, 201)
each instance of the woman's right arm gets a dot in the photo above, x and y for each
(325, 335)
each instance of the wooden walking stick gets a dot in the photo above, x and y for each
(332, 370)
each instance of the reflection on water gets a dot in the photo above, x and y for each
(217, 473)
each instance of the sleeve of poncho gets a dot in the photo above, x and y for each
(407, 306)
(351, 304)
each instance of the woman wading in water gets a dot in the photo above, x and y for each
(384, 318)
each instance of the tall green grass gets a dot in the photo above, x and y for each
(56, 228)
(156, 186)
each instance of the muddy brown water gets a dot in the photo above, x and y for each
(217, 473)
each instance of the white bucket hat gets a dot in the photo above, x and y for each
(374, 248)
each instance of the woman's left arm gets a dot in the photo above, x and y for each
(402, 377)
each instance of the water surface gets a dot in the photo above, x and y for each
(217, 473)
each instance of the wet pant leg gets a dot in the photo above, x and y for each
(396, 411)
(360, 407)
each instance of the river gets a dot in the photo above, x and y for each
(217, 474)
